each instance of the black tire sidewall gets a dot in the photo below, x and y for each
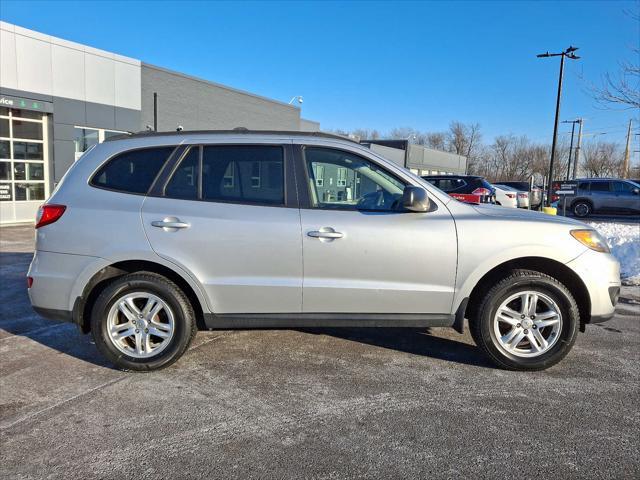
(168, 292)
(568, 332)
(587, 204)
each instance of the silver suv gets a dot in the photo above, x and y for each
(602, 195)
(151, 237)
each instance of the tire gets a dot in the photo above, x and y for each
(582, 208)
(174, 323)
(527, 354)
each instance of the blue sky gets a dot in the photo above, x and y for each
(373, 64)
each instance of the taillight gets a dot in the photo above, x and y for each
(481, 191)
(29, 282)
(510, 195)
(523, 195)
(48, 214)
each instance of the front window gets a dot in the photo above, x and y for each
(350, 182)
(624, 187)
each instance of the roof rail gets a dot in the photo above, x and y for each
(235, 131)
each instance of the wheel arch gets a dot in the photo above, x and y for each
(84, 303)
(570, 279)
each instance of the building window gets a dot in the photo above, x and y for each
(23, 172)
(87, 137)
(227, 179)
(31, 130)
(342, 177)
(255, 175)
(318, 173)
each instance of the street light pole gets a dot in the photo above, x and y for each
(567, 53)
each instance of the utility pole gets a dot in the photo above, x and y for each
(627, 153)
(573, 128)
(567, 53)
(577, 158)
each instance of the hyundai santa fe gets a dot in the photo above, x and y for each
(151, 237)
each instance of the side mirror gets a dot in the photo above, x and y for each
(636, 191)
(415, 199)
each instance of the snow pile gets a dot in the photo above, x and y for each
(624, 240)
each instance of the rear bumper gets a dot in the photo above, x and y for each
(54, 277)
(600, 273)
(51, 314)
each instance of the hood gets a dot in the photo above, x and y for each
(522, 214)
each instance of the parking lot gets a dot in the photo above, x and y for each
(326, 403)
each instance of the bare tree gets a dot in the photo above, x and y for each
(436, 140)
(601, 159)
(404, 133)
(366, 134)
(464, 140)
(622, 89)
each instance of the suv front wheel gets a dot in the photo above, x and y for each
(528, 321)
(142, 321)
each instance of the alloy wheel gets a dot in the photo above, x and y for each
(527, 324)
(140, 324)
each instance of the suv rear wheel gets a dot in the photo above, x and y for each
(142, 321)
(582, 209)
(528, 321)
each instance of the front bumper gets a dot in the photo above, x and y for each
(600, 273)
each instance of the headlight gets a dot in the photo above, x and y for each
(591, 239)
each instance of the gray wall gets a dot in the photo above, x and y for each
(423, 158)
(396, 155)
(309, 125)
(197, 104)
(68, 113)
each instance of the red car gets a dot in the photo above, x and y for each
(466, 188)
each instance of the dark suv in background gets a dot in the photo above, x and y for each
(601, 195)
(466, 188)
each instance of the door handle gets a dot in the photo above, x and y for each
(325, 233)
(170, 224)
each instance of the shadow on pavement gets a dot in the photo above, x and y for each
(416, 341)
(18, 319)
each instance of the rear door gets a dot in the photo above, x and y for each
(363, 254)
(601, 195)
(228, 214)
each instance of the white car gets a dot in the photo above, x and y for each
(506, 197)
(521, 196)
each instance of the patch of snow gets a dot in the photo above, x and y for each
(624, 241)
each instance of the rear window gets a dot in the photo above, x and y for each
(132, 171)
(449, 184)
(600, 186)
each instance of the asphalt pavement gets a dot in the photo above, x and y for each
(324, 403)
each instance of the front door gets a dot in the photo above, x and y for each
(362, 253)
(224, 216)
(626, 195)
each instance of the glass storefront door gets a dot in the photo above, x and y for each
(23, 164)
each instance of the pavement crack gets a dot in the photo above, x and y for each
(58, 404)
